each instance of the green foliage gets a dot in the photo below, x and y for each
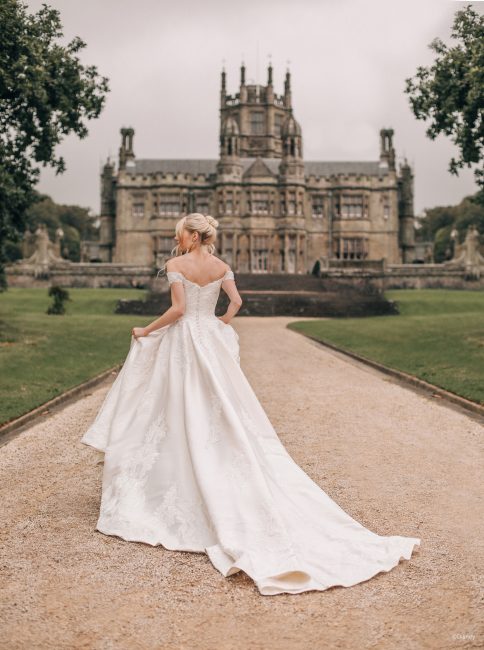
(41, 356)
(12, 251)
(45, 94)
(75, 221)
(439, 222)
(59, 296)
(451, 93)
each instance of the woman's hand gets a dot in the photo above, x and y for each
(138, 331)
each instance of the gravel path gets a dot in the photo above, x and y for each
(399, 462)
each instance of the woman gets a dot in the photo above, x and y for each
(192, 461)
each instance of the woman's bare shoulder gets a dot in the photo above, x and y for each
(221, 265)
(171, 264)
(175, 264)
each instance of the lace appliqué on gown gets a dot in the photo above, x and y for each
(125, 493)
(185, 518)
(215, 420)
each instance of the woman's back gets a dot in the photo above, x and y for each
(199, 269)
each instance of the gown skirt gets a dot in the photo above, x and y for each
(192, 463)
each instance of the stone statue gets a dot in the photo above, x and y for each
(468, 254)
(46, 253)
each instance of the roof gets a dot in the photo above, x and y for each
(173, 166)
(209, 166)
(323, 168)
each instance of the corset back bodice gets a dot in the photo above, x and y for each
(200, 300)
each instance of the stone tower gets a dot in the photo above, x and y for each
(406, 213)
(387, 152)
(291, 169)
(259, 114)
(126, 153)
(107, 234)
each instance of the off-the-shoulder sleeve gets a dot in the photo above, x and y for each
(174, 276)
(229, 275)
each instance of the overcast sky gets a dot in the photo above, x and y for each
(348, 60)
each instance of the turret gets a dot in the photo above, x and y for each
(223, 89)
(291, 138)
(229, 166)
(108, 206)
(126, 153)
(259, 114)
(243, 87)
(406, 215)
(287, 90)
(387, 152)
(269, 88)
(229, 139)
(292, 165)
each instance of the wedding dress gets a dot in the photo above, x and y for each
(192, 463)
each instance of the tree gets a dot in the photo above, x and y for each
(45, 94)
(75, 222)
(451, 94)
(440, 222)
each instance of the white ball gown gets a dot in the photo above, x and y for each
(192, 463)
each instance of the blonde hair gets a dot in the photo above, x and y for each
(206, 226)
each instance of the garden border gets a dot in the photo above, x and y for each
(407, 379)
(18, 424)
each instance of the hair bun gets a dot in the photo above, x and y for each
(213, 222)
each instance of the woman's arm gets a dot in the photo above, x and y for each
(235, 304)
(172, 314)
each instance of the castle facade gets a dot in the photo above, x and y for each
(277, 212)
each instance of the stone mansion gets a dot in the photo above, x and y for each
(278, 213)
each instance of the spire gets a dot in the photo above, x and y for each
(269, 74)
(287, 89)
(223, 88)
(287, 82)
(242, 74)
(223, 76)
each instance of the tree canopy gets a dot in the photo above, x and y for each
(45, 94)
(75, 221)
(450, 94)
(441, 221)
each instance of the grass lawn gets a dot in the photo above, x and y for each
(41, 356)
(438, 336)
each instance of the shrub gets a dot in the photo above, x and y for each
(59, 296)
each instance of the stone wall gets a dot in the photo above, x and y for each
(102, 275)
(399, 276)
(430, 276)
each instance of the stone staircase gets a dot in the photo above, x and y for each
(282, 295)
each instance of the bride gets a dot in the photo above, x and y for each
(192, 462)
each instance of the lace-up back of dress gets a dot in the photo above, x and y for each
(200, 300)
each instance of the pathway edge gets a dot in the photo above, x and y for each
(37, 413)
(403, 376)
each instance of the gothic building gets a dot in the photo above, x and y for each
(277, 212)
